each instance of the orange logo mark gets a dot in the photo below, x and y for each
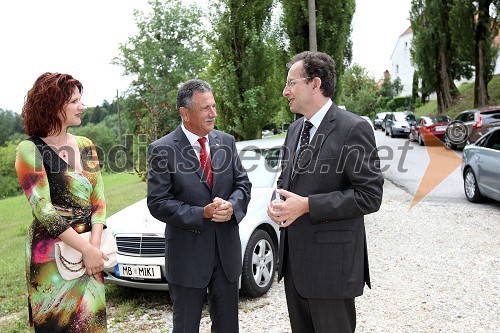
(442, 162)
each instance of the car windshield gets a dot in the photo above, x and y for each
(262, 165)
(440, 119)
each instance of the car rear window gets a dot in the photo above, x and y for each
(403, 117)
(491, 116)
(440, 119)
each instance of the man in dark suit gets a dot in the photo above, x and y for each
(330, 179)
(197, 186)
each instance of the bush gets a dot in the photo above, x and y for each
(9, 185)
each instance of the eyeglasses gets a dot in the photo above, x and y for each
(290, 83)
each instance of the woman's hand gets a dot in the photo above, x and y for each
(93, 259)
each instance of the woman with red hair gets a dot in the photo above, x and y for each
(59, 173)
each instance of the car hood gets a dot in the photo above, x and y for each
(137, 219)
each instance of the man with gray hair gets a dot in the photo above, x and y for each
(198, 188)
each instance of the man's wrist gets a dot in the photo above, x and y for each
(305, 204)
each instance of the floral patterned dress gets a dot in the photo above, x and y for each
(61, 197)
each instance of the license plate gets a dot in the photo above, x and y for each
(138, 271)
(406, 130)
(440, 128)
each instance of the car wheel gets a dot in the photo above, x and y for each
(448, 143)
(470, 186)
(259, 264)
(420, 140)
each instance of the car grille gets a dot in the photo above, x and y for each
(142, 246)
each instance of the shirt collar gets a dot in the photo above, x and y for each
(318, 116)
(193, 138)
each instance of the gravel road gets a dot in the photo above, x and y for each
(434, 268)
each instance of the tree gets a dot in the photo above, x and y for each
(103, 137)
(9, 185)
(333, 28)
(391, 89)
(169, 49)
(485, 51)
(432, 50)
(246, 71)
(359, 93)
(10, 124)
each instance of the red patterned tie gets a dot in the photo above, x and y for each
(205, 162)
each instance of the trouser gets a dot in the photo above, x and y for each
(309, 315)
(222, 300)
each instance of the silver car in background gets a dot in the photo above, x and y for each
(141, 241)
(481, 167)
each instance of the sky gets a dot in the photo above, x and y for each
(81, 38)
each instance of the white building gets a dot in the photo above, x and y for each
(403, 68)
(401, 62)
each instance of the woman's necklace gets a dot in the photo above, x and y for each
(63, 153)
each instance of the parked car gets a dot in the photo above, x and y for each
(141, 241)
(378, 119)
(398, 123)
(267, 133)
(481, 167)
(384, 121)
(472, 124)
(434, 124)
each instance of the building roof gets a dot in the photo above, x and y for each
(407, 31)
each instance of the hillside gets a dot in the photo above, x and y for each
(467, 100)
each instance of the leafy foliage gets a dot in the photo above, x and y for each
(246, 70)
(452, 40)
(391, 89)
(432, 49)
(9, 185)
(169, 49)
(486, 29)
(359, 93)
(10, 125)
(333, 28)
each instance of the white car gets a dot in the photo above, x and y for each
(141, 241)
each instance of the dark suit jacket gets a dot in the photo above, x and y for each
(341, 177)
(177, 193)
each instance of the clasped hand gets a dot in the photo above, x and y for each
(93, 260)
(286, 212)
(218, 210)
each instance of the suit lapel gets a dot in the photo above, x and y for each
(324, 130)
(184, 146)
(292, 141)
(217, 159)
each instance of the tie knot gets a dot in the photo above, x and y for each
(202, 141)
(307, 125)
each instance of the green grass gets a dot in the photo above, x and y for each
(466, 100)
(121, 190)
